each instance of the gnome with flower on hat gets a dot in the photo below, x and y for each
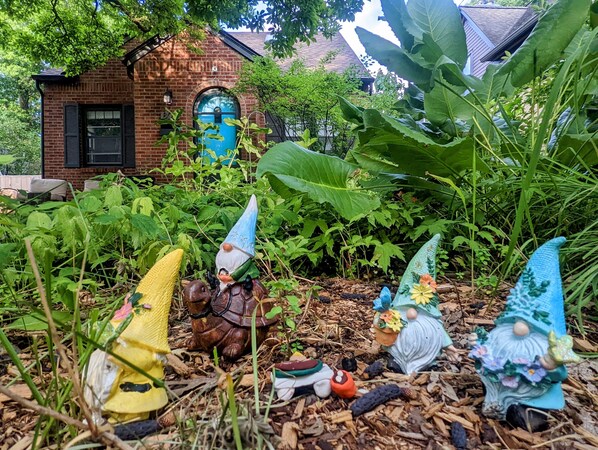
(522, 361)
(409, 326)
(221, 317)
(122, 384)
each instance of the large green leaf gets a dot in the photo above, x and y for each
(442, 21)
(325, 179)
(400, 22)
(574, 149)
(442, 105)
(544, 46)
(394, 58)
(386, 144)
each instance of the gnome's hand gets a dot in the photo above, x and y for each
(548, 362)
(452, 353)
(472, 339)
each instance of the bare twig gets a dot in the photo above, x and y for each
(105, 436)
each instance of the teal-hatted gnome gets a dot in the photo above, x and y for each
(409, 327)
(522, 361)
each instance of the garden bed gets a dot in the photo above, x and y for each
(333, 327)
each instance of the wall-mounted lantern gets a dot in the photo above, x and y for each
(168, 97)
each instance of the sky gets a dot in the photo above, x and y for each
(368, 19)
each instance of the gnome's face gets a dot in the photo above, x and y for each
(515, 343)
(229, 259)
(419, 342)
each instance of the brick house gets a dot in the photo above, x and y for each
(107, 119)
(492, 30)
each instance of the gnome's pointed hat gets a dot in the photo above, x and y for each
(242, 235)
(149, 326)
(420, 273)
(537, 298)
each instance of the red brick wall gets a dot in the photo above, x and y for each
(174, 66)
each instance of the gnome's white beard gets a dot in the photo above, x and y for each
(230, 261)
(503, 343)
(99, 380)
(419, 342)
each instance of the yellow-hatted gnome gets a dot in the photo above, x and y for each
(140, 336)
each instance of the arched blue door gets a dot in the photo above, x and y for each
(213, 106)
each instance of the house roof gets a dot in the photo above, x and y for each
(54, 75)
(343, 56)
(497, 23)
(249, 45)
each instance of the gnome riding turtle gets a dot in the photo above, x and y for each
(221, 316)
(522, 361)
(409, 327)
(138, 334)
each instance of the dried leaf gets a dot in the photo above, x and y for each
(289, 438)
(18, 389)
(316, 429)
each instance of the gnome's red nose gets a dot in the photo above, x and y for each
(227, 247)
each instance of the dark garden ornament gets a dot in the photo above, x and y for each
(409, 326)
(522, 361)
(138, 334)
(221, 316)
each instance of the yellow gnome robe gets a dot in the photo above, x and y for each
(112, 386)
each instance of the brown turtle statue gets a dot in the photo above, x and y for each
(221, 314)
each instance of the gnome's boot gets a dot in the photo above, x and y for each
(531, 419)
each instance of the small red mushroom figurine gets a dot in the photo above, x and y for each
(343, 385)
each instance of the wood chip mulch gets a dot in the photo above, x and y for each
(332, 327)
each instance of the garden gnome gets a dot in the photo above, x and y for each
(521, 361)
(409, 327)
(139, 335)
(221, 318)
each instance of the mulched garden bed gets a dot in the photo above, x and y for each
(333, 327)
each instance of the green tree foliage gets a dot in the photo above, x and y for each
(302, 98)
(81, 34)
(19, 114)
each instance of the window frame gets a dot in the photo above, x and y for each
(85, 137)
(74, 134)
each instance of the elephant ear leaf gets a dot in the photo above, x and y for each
(441, 20)
(291, 168)
(549, 38)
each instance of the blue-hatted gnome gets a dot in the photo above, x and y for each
(409, 327)
(522, 361)
(221, 317)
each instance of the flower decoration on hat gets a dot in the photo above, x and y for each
(387, 317)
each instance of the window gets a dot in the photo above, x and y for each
(99, 136)
(213, 106)
(103, 137)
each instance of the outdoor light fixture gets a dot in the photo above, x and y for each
(168, 97)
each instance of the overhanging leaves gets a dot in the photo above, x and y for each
(545, 44)
(394, 58)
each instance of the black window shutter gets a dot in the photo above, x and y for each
(128, 131)
(72, 147)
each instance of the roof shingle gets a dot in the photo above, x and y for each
(498, 22)
(311, 54)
